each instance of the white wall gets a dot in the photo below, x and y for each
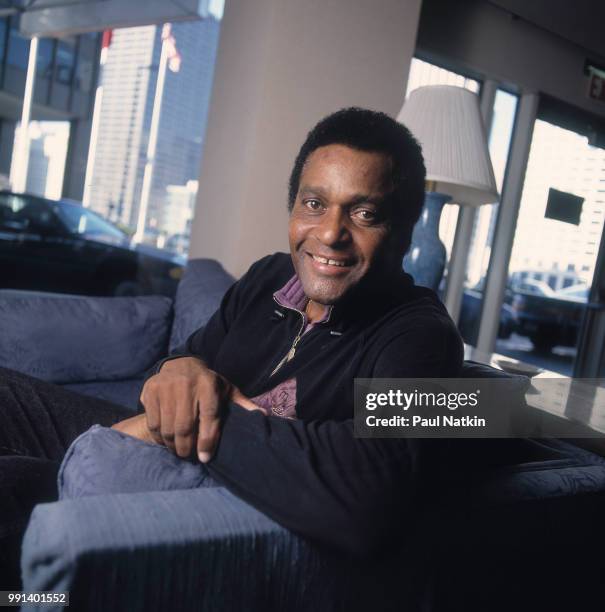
(484, 38)
(283, 65)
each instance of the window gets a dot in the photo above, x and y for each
(500, 135)
(547, 329)
(18, 46)
(44, 58)
(65, 60)
(3, 31)
(79, 220)
(28, 214)
(87, 55)
(129, 78)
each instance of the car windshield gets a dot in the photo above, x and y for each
(79, 220)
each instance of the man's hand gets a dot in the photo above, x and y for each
(135, 426)
(183, 403)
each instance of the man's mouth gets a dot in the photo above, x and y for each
(330, 265)
(329, 261)
(341, 263)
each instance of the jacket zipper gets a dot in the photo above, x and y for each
(288, 356)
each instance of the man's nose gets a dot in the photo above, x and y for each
(333, 228)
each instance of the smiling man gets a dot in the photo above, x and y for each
(264, 392)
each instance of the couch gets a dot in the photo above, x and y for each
(499, 523)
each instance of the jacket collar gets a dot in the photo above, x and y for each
(361, 304)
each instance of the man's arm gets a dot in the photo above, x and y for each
(182, 396)
(316, 478)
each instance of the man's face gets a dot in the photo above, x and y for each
(339, 228)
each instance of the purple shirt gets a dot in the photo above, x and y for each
(281, 401)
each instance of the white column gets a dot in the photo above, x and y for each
(20, 162)
(282, 65)
(507, 222)
(456, 271)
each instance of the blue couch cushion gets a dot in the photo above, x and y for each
(102, 461)
(79, 339)
(198, 295)
(122, 392)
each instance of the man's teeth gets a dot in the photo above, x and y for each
(331, 262)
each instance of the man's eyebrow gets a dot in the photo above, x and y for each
(310, 190)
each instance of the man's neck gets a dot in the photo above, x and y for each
(314, 311)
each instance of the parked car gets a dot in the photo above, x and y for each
(549, 318)
(60, 246)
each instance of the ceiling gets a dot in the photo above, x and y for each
(578, 21)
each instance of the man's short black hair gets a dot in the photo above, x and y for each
(368, 130)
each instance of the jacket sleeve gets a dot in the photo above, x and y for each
(316, 478)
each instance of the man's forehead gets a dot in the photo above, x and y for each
(341, 153)
(365, 173)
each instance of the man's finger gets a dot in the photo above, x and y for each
(150, 401)
(209, 426)
(185, 423)
(167, 412)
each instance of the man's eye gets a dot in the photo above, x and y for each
(313, 204)
(366, 215)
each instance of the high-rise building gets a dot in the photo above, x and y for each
(561, 159)
(63, 97)
(129, 79)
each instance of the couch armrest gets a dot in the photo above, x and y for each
(201, 549)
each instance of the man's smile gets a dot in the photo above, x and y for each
(330, 265)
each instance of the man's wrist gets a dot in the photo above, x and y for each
(164, 361)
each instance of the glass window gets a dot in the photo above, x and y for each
(27, 213)
(3, 30)
(79, 220)
(9, 206)
(501, 131)
(18, 46)
(44, 59)
(555, 248)
(65, 60)
(129, 77)
(87, 56)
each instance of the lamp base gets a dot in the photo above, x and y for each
(425, 260)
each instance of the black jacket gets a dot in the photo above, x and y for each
(310, 474)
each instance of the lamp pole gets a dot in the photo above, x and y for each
(20, 163)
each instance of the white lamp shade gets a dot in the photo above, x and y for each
(447, 122)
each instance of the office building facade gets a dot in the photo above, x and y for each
(128, 80)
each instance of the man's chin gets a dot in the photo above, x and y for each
(325, 293)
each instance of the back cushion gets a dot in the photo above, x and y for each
(198, 296)
(65, 339)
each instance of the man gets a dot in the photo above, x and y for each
(263, 395)
(295, 331)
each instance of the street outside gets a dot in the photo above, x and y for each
(560, 359)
